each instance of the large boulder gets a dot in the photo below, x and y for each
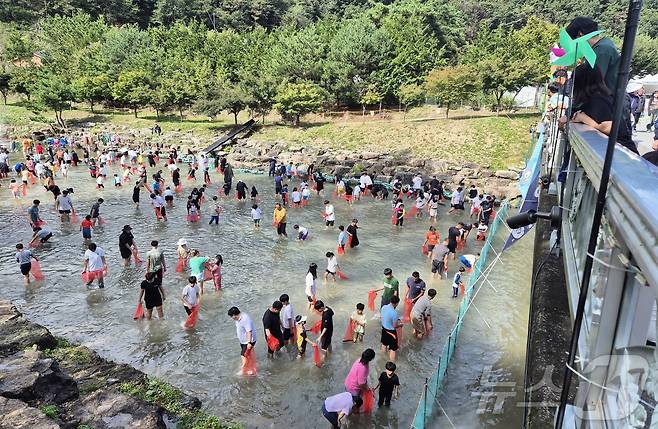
(17, 414)
(111, 409)
(16, 333)
(33, 378)
(342, 170)
(506, 174)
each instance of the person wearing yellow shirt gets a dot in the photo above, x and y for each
(280, 220)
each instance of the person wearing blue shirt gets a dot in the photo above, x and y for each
(390, 321)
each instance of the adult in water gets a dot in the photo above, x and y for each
(357, 379)
(197, 266)
(153, 295)
(155, 261)
(336, 408)
(280, 220)
(352, 232)
(126, 244)
(246, 332)
(272, 327)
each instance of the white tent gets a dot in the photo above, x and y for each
(650, 83)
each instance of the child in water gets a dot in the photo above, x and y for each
(254, 193)
(117, 181)
(389, 385)
(14, 187)
(302, 234)
(216, 271)
(256, 215)
(302, 336)
(359, 320)
(85, 227)
(332, 266)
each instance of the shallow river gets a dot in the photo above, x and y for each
(258, 267)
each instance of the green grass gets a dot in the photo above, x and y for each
(51, 411)
(163, 394)
(67, 352)
(486, 139)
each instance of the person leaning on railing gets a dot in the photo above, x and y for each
(593, 105)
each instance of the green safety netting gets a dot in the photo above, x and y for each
(435, 381)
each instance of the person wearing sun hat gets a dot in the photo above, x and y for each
(183, 251)
(126, 244)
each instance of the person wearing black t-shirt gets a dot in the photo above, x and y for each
(473, 192)
(153, 295)
(272, 326)
(389, 384)
(326, 328)
(319, 183)
(126, 244)
(454, 232)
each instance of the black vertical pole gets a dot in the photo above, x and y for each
(632, 20)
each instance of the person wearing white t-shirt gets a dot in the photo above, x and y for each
(329, 214)
(476, 203)
(332, 266)
(245, 329)
(159, 206)
(94, 264)
(417, 182)
(190, 296)
(287, 319)
(311, 284)
(336, 408)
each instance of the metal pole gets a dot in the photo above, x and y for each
(425, 405)
(632, 20)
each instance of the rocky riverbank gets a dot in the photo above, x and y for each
(253, 153)
(47, 383)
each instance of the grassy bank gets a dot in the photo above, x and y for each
(484, 138)
(93, 373)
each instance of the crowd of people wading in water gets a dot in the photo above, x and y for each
(157, 176)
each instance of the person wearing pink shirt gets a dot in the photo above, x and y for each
(357, 379)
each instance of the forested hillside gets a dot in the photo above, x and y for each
(294, 56)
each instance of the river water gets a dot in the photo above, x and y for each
(258, 267)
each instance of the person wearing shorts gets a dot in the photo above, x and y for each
(439, 257)
(326, 328)
(246, 332)
(421, 314)
(390, 322)
(24, 258)
(329, 214)
(153, 295)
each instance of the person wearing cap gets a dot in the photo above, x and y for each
(126, 244)
(302, 336)
(329, 214)
(183, 251)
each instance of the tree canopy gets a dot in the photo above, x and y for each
(213, 56)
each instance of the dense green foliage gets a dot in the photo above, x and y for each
(294, 56)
